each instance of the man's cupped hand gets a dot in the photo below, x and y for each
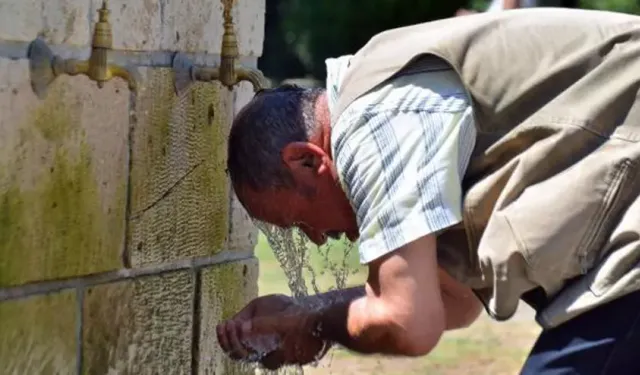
(273, 331)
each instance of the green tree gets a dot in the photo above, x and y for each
(301, 34)
(311, 31)
(623, 6)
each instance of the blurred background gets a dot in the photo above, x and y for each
(301, 34)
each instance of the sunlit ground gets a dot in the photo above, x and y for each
(487, 347)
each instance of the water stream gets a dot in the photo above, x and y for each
(309, 270)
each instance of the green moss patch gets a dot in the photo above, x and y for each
(56, 227)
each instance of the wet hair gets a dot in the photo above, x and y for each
(261, 130)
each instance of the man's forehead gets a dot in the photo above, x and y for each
(268, 206)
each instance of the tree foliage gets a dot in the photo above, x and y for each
(301, 34)
(309, 31)
(623, 6)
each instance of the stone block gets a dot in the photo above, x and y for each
(193, 26)
(249, 16)
(61, 21)
(146, 25)
(63, 163)
(38, 335)
(243, 93)
(197, 26)
(139, 327)
(183, 25)
(137, 25)
(180, 191)
(226, 289)
(243, 235)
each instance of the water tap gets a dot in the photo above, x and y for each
(229, 72)
(45, 66)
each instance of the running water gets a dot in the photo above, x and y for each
(291, 249)
(309, 272)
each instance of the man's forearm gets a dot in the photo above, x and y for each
(321, 301)
(342, 317)
(461, 305)
(462, 311)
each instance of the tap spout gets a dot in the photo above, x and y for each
(45, 66)
(256, 77)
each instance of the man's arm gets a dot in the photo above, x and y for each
(461, 305)
(398, 301)
(401, 310)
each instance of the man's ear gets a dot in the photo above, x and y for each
(303, 157)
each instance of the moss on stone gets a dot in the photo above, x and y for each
(178, 176)
(213, 178)
(141, 326)
(38, 335)
(108, 328)
(12, 232)
(54, 119)
(153, 113)
(229, 280)
(55, 228)
(227, 289)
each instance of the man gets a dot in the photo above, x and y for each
(479, 161)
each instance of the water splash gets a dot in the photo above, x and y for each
(291, 249)
(309, 272)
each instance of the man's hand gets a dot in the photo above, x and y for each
(273, 330)
(404, 308)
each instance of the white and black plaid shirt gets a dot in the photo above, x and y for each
(401, 151)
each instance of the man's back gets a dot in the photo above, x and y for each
(409, 139)
(511, 72)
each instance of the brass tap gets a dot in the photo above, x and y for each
(45, 66)
(229, 72)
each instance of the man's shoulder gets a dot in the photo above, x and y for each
(415, 90)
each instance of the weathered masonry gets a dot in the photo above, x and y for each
(121, 246)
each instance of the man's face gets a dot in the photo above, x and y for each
(316, 205)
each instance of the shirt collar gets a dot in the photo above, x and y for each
(336, 68)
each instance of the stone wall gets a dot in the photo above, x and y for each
(121, 245)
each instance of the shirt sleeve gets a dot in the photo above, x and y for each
(402, 172)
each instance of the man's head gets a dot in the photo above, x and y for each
(281, 166)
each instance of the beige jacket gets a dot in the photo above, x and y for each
(552, 192)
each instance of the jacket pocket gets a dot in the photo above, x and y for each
(607, 216)
(562, 223)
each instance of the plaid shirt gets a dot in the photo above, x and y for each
(401, 151)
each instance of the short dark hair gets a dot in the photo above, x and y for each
(273, 119)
